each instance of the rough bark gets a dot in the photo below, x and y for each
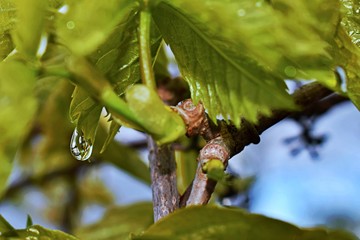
(163, 180)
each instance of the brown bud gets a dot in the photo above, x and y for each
(194, 117)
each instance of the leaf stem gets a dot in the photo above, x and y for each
(146, 69)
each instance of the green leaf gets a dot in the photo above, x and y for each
(7, 23)
(351, 19)
(118, 57)
(199, 222)
(7, 15)
(6, 45)
(5, 226)
(87, 24)
(29, 221)
(29, 25)
(348, 54)
(85, 112)
(161, 67)
(113, 130)
(17, 108)
(348, 57)
(226, 81)
(305, 31)
(37, 232)
(119, 223)
(274, 33)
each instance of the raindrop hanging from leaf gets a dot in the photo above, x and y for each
(80, 147)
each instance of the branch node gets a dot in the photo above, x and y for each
(195, 118)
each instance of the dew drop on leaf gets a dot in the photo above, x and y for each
(70, 25)
(80, 148)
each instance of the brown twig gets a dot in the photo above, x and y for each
(163, 180)
(226, 140)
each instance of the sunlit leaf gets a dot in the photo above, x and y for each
(305, 36)
(226, 81)
(29, 25)
(119, 223)
(291, 38)
(87, 24)
(348, 58)
(17, 108)
(351, 19)
(7, 23)
(226, 223)
(348, 55)
(7, 15)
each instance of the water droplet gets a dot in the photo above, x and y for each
(241, 12)
(33, 230)
(70, 25)
(80, 148)
(290, 71)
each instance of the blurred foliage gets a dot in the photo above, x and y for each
(14, 100)
(30, 22)
(234, 57)
(119, 223)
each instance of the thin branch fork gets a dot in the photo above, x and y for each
(225, 140)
